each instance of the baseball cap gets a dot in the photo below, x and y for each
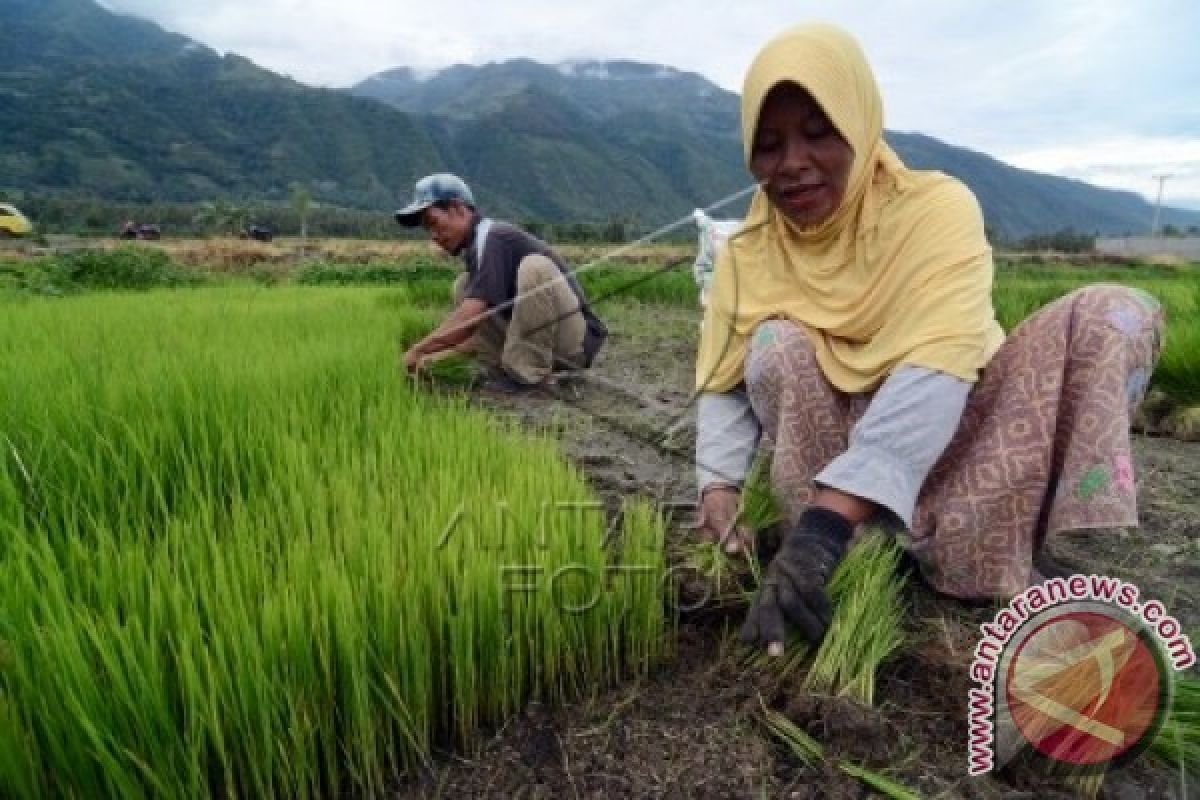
(432, 189)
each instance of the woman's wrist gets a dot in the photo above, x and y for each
(717, 486)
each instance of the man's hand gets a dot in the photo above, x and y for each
(719, 506)
(451, 336)
(415, 361)
(793, 590)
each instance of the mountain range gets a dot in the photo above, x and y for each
(113, 106)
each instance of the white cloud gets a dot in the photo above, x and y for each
(1126, 163)
(1008, 77)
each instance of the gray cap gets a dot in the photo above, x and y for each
(432, 189)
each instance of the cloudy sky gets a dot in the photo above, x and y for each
(1107, 91)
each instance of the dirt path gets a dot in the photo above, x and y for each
(690, 730)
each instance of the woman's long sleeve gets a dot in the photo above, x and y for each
(908, 425)
(727, 434)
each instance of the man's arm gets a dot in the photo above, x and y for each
(454, 331)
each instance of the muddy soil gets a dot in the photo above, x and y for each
(692, 728)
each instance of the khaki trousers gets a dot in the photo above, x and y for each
(546, 330)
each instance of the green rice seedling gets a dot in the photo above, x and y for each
(760, 507)
(866, 628)
(800, 743)
(880, 783)
(241, 556)
(811, 752)
(796, 654)
(865, 592)
(733, 579)
(430, 291)
(861, 648)
(709, 561)
(455, 370)
(1178, 743)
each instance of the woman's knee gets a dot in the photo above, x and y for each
(779, 350)
(1134, 315)
(1119, 305)
(779, 335)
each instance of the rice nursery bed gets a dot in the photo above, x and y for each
(240, 556)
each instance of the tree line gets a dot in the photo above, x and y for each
(86, 215)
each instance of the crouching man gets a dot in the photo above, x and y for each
(518, 309)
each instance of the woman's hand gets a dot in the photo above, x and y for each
(793, 592)
(719, 507)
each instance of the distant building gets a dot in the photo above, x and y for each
(1187, 248)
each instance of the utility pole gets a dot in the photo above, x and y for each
(1158, 203)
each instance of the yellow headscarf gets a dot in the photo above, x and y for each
(901, 272)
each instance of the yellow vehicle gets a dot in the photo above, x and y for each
(13, 222)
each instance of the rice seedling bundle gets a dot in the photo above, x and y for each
(240, 556)
(865, 593)
(868, 615)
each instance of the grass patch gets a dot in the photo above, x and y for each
(324, 274)
(128, 267)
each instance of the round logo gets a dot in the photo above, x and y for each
(1086, 686)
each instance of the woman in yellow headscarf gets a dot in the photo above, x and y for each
(850, 325)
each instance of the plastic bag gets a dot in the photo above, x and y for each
(713, 233)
